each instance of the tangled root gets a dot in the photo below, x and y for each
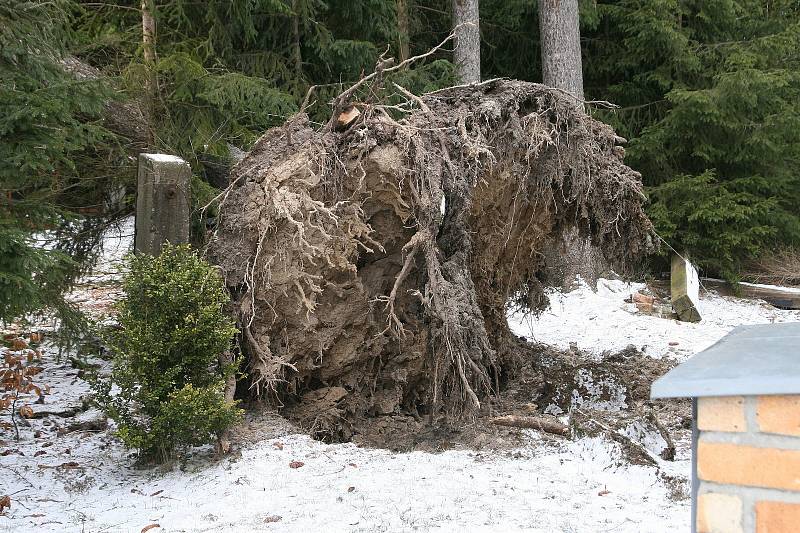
(381, 260)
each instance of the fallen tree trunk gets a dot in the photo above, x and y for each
(780, 297)
(381, 259)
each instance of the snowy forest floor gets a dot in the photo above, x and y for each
(68, 472)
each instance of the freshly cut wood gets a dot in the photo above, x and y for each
(548, 425)
(347, 117)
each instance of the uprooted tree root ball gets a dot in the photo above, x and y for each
(372, 267)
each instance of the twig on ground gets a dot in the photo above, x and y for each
(668, 453)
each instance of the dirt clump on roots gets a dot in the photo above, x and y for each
(606, 396)
(372, 265)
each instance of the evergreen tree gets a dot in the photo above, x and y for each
(709, 94)
(53, 155)
(707, 90)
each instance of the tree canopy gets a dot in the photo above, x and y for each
(707, 94)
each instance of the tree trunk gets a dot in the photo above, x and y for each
(562, 68)
(467, 54)
(402, 29)
(149, 53)
(298, 56)
(561, 45)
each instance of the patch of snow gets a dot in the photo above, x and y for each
(70, 481)
(61, 480)
(577, 486)
(164, 158)
(601, 320)
(795, 290)
(116, 243)
(652, 440)
(604, 394)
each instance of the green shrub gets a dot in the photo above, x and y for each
(167, 355)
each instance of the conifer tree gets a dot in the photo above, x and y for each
(54, 154)
(467, 54)
(709, 95)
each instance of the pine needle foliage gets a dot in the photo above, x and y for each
(707, 91)
(54, 154)
(709, 94)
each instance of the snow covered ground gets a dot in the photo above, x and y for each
(63, 476)
(601, 320)
(576, 487)
(67, 479)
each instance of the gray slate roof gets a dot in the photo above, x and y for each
(750, 360)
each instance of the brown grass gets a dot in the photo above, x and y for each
(777, 268)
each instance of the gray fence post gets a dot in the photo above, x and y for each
(162, 202)
(685, 289)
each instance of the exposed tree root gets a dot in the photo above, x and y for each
(380, 260)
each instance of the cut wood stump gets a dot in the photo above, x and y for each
(162, 202)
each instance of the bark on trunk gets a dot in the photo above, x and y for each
(149, 53)
(562, 68)
(121, 117)
(467, 52)
(402, 29)
(561, 45)
(298, 56)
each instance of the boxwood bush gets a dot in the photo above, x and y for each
(166, 390)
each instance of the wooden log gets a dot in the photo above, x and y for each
(548, 425)
(347, 117)
(122, 117)
(780, 297)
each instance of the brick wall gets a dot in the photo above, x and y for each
(748, 464)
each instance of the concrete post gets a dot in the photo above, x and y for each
(162, 202)
(685, 285)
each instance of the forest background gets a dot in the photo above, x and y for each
(707, 92)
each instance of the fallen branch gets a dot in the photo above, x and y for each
(668, 453)
(339, 102)
(547, 425)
